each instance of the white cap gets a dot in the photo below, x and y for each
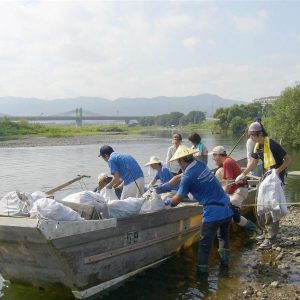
(218, 150)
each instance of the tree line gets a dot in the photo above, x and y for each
(281, 118)
(174, 118)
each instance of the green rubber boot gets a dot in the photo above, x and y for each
(252, 227)
(224, 257)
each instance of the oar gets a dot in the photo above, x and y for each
(50, 192)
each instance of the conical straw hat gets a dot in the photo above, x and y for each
(182, 151)
(153, 160)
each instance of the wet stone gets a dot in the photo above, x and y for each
(275, 284)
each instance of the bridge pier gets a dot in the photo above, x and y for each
(79, 116)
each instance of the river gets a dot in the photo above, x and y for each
(29, 169)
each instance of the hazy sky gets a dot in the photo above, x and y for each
(235, 49)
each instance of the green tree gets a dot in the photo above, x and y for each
(238, 125)
(193, 117)
(284, 121)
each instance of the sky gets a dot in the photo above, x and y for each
(238, 50)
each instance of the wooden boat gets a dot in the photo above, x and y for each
(91, 255)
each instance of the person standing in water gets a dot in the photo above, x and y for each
(202, 153)
(275, 157)
(173, 166)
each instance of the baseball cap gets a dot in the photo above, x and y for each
(218, 150)
(105, 150)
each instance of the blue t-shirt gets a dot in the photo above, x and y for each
(164, 175)
(126, 165)
(198, 180)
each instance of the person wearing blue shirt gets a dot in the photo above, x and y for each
(198, 180)
(163, 174)
(125, 170)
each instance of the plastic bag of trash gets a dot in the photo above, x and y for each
(109, 194)
(90, 198)
(125, 208)
(50, 209)
(271, 197)
(38, 195)
(152, 203)
(16, 204)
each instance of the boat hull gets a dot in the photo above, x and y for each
(89, 256)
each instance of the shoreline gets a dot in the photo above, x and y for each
(39, 141)
(277, 271)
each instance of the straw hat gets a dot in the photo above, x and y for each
(183, 151)
(153, 160)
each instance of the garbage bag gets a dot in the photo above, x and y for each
(271, 197)
(50, 209)
(153, 202)
(16, 204)
(125, 208)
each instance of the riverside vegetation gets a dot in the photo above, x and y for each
(281, 120)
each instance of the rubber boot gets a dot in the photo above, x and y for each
(202, 270)
(252, 227)
(224, 257)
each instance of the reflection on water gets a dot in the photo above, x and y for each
(42, 168)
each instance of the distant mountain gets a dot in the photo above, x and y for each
(123, 106)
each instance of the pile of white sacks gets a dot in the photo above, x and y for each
(39, 205)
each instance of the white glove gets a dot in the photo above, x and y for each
(240, 177)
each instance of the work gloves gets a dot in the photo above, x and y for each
(163, 188)
(240, 177)
(168, 202)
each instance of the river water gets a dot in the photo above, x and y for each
(42, 168)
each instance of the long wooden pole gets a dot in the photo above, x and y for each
(50, 192)
(237, 142)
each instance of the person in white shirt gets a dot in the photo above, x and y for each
(174, 166)
(258, 170)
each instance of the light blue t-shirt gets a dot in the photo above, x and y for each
(126, 165)
(198, 180)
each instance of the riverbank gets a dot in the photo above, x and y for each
(275, 274)
(35, 141)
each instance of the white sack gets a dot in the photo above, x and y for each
(47, 208)
(15, 204)
(38, 195)
(271, 197)
(90, 198)
(152, 203)
(109, 194)
(125, 208)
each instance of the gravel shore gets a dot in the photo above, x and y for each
(277, 271)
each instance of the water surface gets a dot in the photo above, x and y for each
(42, 168)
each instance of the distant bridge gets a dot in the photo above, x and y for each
(78, 115)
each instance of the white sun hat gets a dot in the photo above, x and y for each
(183, 151)
(153, 160)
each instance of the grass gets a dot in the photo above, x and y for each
(21, 128)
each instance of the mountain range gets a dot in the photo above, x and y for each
(207, 103)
